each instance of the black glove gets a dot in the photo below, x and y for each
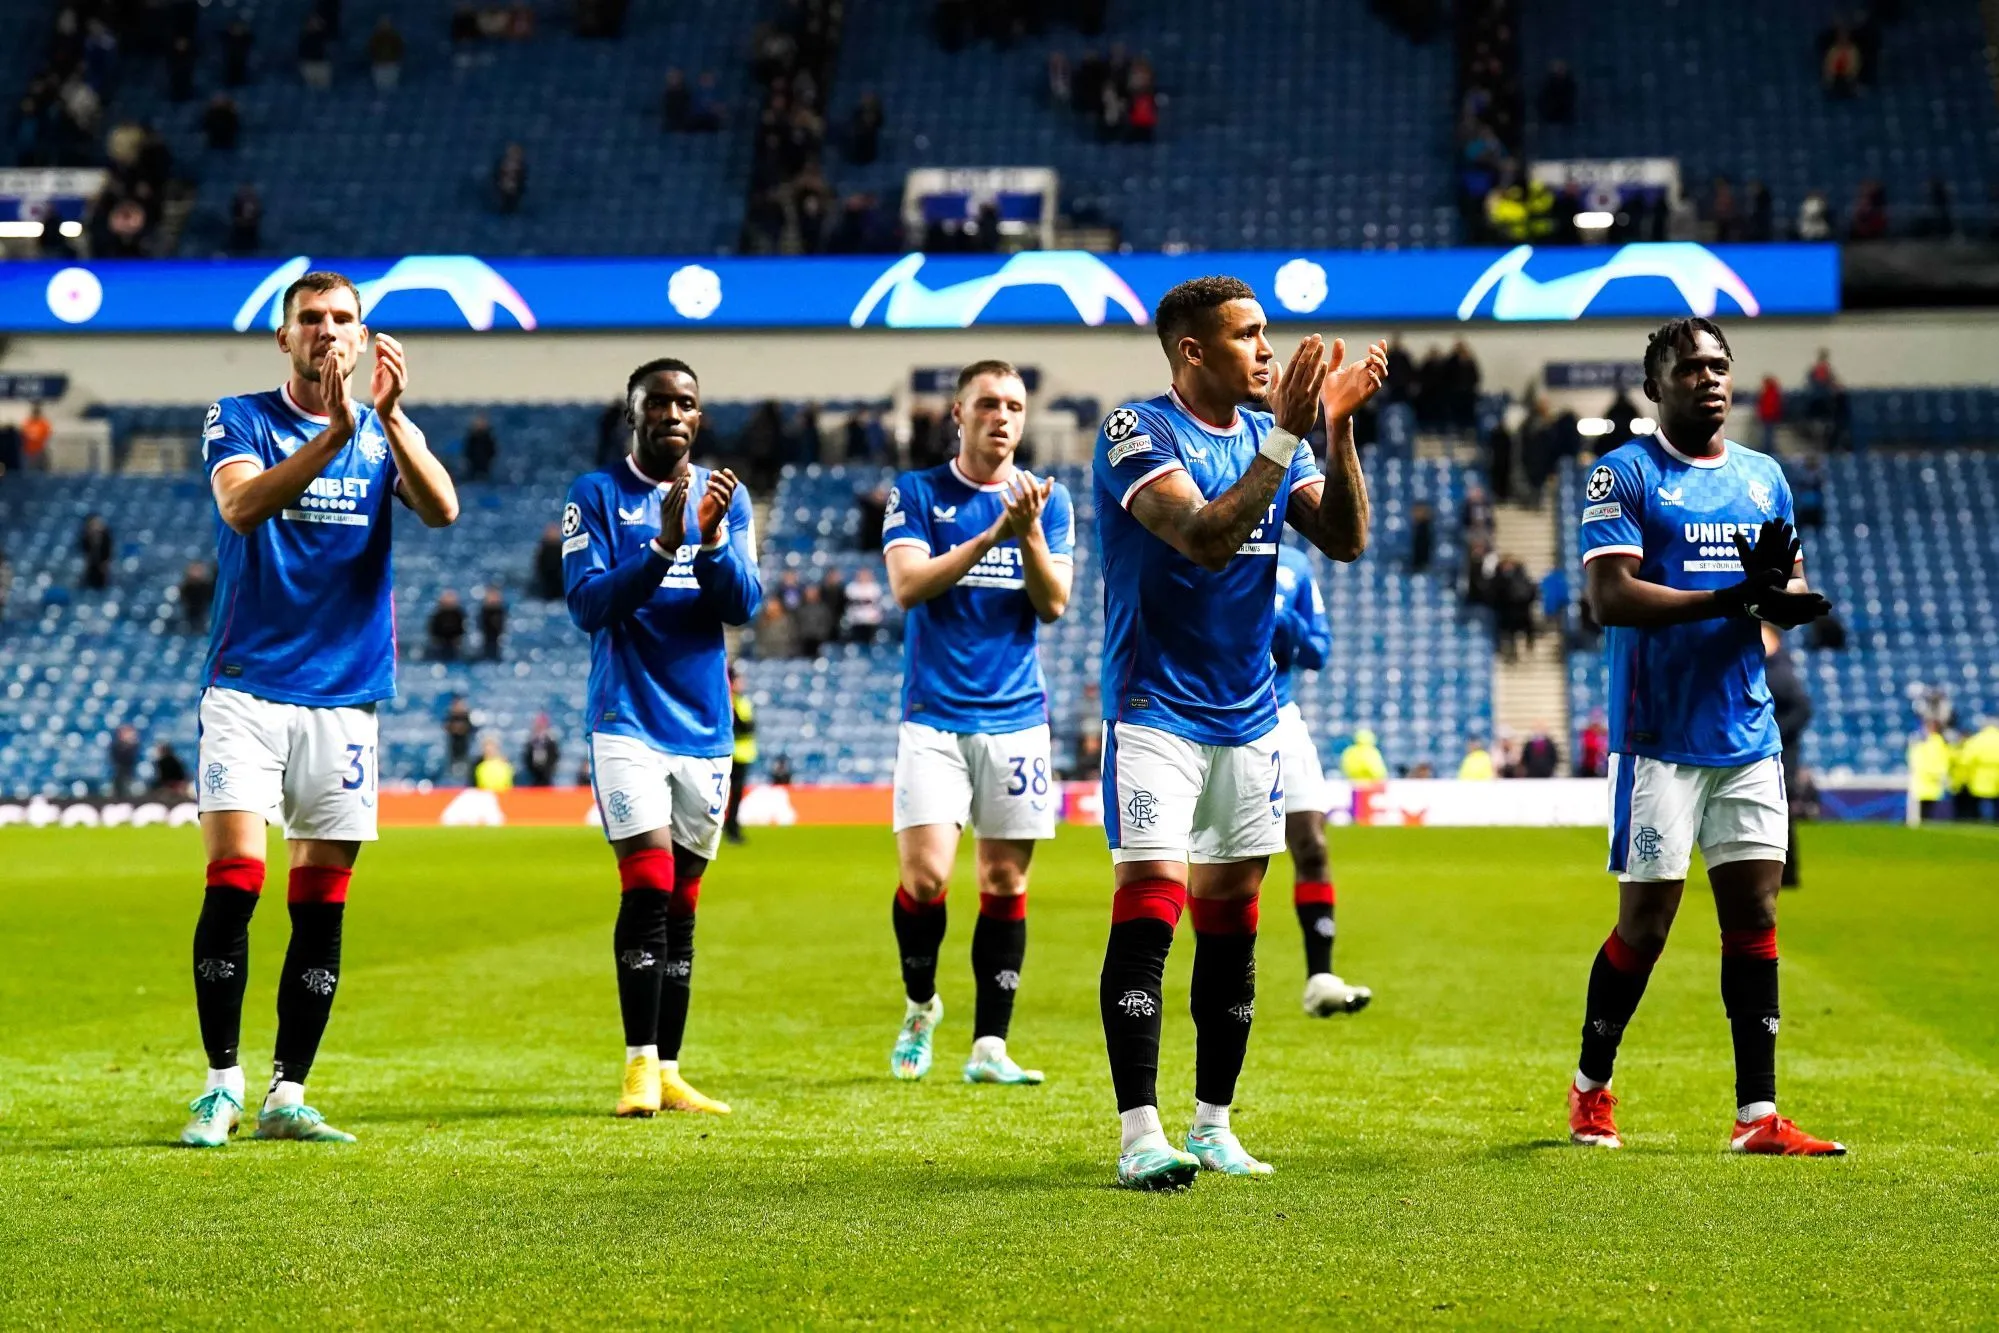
(1775, 551)
(1787, 610)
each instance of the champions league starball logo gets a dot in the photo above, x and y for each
(1697, 273)
(1091, 285)
(473, 285)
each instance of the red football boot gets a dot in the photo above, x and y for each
(1778, 1137)
(1589, 1118)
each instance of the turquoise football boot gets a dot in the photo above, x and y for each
(301, 1124)
(216, 1115)
(911, 1057)
(1156, 1165)
(1216, 1149)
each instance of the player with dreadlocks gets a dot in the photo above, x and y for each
(657, 556)
(1688, 544)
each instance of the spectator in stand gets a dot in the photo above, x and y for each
(548, 565)
(1432, 388)
(1937, 223)
(1478, 515)
(1840, 69)
(864, 130)
(676, 104)
(780, 771)
(1461, 381)
(1513, 605)
(1814, 218)
(447, 627)
(1822, 388)
(94, 543)
(464, 31)
(246, 221)
(1723, 215)
(1762, 213)
(221, 123)
(1870, 213)
(180, 70)
(170, 779)
(1499, 451)
(480, 449)
(385, 54)
(541, 759)
(124, 762)
(1362, 760)
(872, 508)
(35, 432)
(1539, 757)
(492, 623)
(458, 728)
(788, 590)
(1059, 81)
(1808, 492)
(776, 631)
(1142, 116)
(1401, 385)
(510, 178)
(1477, 765)
(864, 611)
(708, 113)
(237, 39)
(1422, 537)
(1557, 102)
(1770, 411)
(315, 59)
(1593, 749)
(833, 592)
(816, 624)
(1555, 602)
(197, 595)
(492, 773)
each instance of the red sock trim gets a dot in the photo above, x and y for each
(1313, 892)
(1625, 958)
(1003, 906)
(686, 897)
(915, 906)
(318, 884)
(1224, 916)
(1149, 899)
(237, 872)
(651, 868)
(1749, 943)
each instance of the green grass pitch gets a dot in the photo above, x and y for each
(1423, 1173)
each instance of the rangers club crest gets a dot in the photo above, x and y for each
(1141, 809)
(1137, 1004)
(373, 447)
(1646, 842)
(1759, 495)
(1600, 482)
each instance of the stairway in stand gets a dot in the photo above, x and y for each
(1532, 693)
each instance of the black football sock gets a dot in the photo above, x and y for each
(676, 981)
(222, 955)
(318, 905)
(1131, 991)
(919, 934)
(1749, 994)
(1314, 901)
(1616, 985)
(1222, 994)
(999, 946)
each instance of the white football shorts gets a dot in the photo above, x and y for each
(311, 770)
(640, 789)
(1002, 786)
(1659, 812)
(1304, 779)
(1171, 799)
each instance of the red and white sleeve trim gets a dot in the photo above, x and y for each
(916, 542)
(227, 459)
(1148, 479)
(1590, 555)
(1303, 482)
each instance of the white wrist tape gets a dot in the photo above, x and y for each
(1280, 446)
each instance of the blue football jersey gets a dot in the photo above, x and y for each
(654, 606)
(1187, 650)
(1301, 636)
(968, 654)
(304, 609)
(1693, 693)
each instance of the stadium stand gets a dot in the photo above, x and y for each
(1905, 553)
(407, 170)
(1735, 90)
(1232, 163)
(79, 663)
